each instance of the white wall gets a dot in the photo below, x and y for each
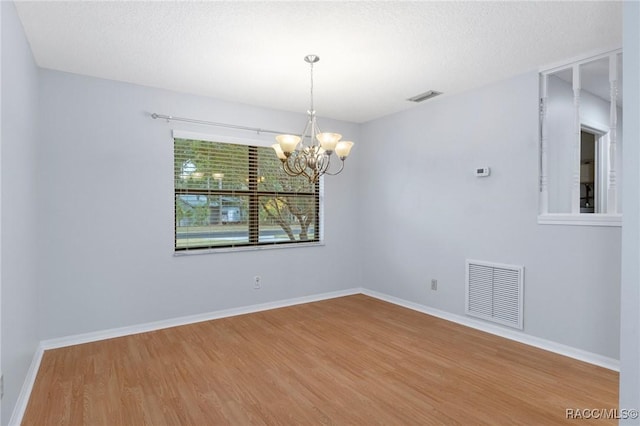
(106, 212)
(19, 207)
(630, 307)
(425, 213)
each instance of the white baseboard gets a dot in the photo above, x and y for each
(23, 398)
(27, 386)
(518, 336)
(190, 319)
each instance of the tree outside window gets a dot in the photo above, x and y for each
(231, 195)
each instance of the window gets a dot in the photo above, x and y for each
(235, 195)
(581, 142)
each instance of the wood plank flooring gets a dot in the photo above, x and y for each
(348, 361)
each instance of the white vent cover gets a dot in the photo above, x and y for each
(494, 292)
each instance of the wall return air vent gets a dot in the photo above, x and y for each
(494, 292)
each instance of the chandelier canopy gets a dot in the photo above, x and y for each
(310, 153)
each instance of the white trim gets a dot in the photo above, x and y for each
(320, 210)
(593, 126)
(579, 60)
(519, 268)
(584, 219)
(196, 251)
(27, 387)
(518, 336)
(190, 319)
(543, 161)
(1, 274)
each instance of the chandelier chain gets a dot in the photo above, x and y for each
(311, 111)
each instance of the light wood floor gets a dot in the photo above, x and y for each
(353, 360)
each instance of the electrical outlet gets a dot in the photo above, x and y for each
(434, 284)
(257, 285)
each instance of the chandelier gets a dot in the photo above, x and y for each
(312, 158)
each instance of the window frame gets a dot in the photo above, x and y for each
(611, 217)
(253, 194)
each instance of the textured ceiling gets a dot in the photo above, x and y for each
(374, 55)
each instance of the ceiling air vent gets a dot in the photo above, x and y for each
(424, 96)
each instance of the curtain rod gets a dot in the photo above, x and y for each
(212, 123)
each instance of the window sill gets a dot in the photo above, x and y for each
(246, 248)
(585, 219)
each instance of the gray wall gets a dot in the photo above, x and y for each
(630, 309)
(86, 196)
(430, 213)
(106, 240)
(19, 207)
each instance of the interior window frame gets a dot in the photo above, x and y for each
(607, 215)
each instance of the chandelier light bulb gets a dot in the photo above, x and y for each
(279, 152)
(328, 141)
(343, 148)
(288, 143)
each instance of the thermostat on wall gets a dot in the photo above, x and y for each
(483, 171)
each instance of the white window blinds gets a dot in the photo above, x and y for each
(233, 195)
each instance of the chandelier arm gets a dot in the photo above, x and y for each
(335, 173)
(313, 162)
(291, 171)
(301, 168)
(301, 162)
(287, 169)
(301, 165)
(323, 163)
